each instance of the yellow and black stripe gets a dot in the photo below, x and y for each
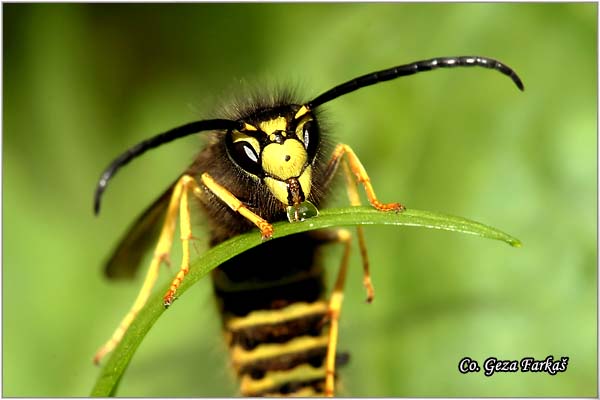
(267, 160)
(277, 330)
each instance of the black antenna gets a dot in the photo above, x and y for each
(413, 68)
(142, 147)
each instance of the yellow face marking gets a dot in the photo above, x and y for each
(273, 125)
(248, 127)
(239, 136)
(280, 190)
(299, 129)
(301, 112)
(285, 160)
(306, 181)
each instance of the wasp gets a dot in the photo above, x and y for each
(266, 160)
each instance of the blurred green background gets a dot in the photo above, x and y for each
(84, 82)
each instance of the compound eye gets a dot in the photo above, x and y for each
(310, 136)
(244, 155)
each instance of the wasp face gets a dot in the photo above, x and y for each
(278, 148)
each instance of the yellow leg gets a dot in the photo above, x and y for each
(179, 203)
(185, 227)
(354, 171)
(266, 229)
(335, 308)
(161, 253)
(352, 190)
(361, 176)
(228, 198)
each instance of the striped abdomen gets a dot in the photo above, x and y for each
(272, 300)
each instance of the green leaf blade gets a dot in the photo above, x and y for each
(119, 360)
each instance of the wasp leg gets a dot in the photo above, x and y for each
(353, 172)
(266, 229)
(335, 307)
(226, 196)
(185, 226)
(352, 191)
(361, 176)
(178, 204)
(161, 253)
